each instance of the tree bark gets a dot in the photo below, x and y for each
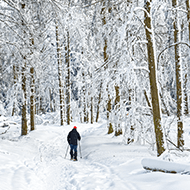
(59, 61)
(118, 130)
(99, 100)
(50, 100)
(132, 129)
(24, 130)
(188, 15)
(15, 80)
(68, 80)
(92, 111)
(109, 124)
(153, 79)
(177, 48)
(32, 100)
(186, 101)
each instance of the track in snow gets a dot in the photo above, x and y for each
(87, 173)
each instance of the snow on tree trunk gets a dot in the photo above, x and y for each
(68, 80)
(32, 100)
(186, 109)
(24, 130)
(178, 67)
(109, 124)
(59, 61)
(91, 110)
(153, 79)
(84, 91)
(103, 12)
(32, 91)
(131, 139)
(188, 16)
(15, 76)
(118, 130)
(99, 100)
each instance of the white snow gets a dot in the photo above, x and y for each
(37, 161)
(167, 166)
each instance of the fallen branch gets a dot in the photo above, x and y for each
(155, 164)
(174, 145)
(5, 131)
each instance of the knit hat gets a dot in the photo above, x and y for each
(74, 127)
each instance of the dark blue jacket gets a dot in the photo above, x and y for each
(73, 136)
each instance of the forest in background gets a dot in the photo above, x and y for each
(126, 61)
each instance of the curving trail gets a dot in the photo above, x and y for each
(36, 161)
(95, 171)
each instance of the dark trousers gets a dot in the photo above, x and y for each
(73, 151)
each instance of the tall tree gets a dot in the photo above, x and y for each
(105, 55)
(178, 72)
(118, 130)
(68, 79)
(32, 99)
(60, 78)
(153, 78)
(186, 106)
(24, 130)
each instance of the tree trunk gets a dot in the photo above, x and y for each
(41, 106)
(50, 100)
(118, 130)
(68, 80)
(24, 130)
(177, 38)
(84, 100)
(110, 126)
(99, 100)
(92, 111)
(103, 13)
(132, 129)
(188, 16)
(15, 80)
(153, 79)
(186, 108)
(32, 100)
(165, 107)
(59, 61)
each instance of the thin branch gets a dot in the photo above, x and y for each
(14, 31)
(174, 145)
(5, 131)
(170, 47)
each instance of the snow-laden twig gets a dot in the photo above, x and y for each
(184, 43)
(5, 131)
(142, 9)
(174, 145)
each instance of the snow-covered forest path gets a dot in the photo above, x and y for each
(102, 159)
(37, 162)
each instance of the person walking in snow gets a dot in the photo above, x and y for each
(72, 139)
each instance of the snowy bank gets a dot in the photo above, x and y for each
(155, 164)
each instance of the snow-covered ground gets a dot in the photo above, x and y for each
(37, 161)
